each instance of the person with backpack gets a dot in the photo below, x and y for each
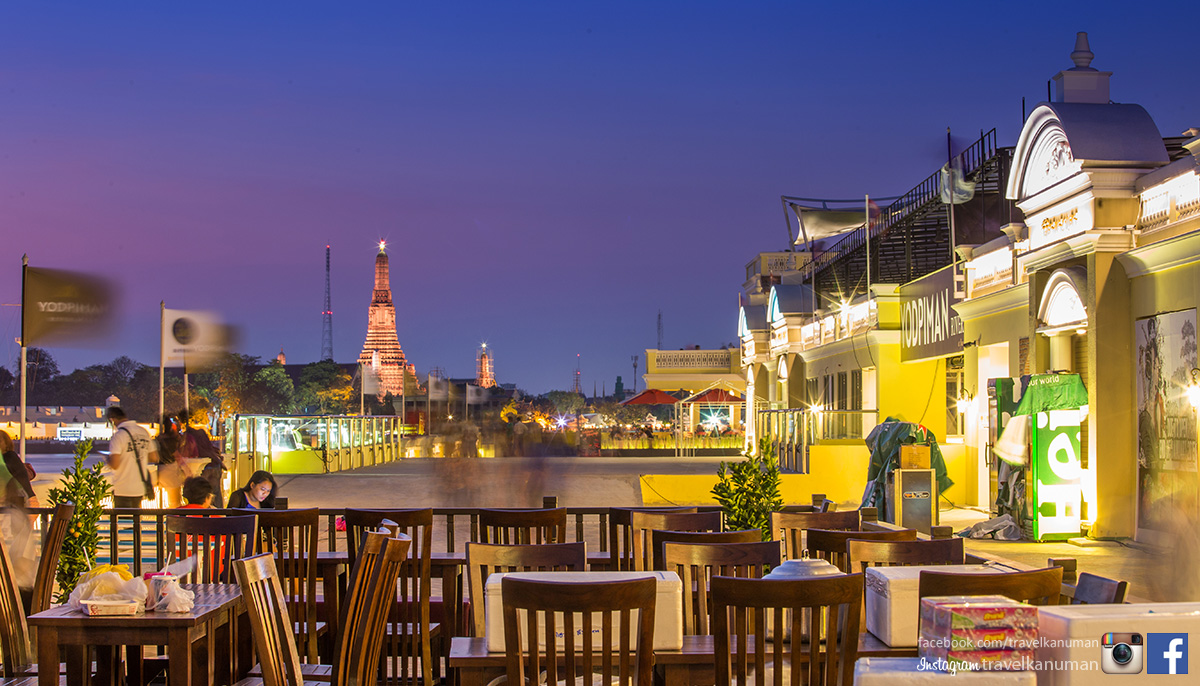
(131, 451)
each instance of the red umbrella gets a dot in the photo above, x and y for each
(651, 396)
(716, 395)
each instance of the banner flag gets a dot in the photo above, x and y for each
(65, 308)
(193, 339)
(370, 377)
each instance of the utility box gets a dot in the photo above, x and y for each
(912, 499)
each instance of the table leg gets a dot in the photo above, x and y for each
(330, 605)
(243, 644)
(211, 643)
(135, 665)
(472, 676)
(48, 657)
(179, 653)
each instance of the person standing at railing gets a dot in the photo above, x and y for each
(131, 451)
(172, 456)
(209, 462)
(18, 490)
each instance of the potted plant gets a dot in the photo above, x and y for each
(748, 491)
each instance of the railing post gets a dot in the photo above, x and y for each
(549, 502)
(818, 499)
(941, 533)
(868, 514)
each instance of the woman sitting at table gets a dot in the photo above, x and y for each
(257, 494)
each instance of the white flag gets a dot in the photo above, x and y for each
(954, 185)
(192, 339)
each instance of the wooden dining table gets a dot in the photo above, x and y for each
(692, 665)
(218, 608)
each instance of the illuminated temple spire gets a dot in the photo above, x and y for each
(382, 347)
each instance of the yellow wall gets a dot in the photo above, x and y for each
(838, 471)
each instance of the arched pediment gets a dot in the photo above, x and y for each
(1060, 140)
(1062, 303)
(1043, 155)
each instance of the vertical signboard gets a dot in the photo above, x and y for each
(929, 327)
(1057, 478)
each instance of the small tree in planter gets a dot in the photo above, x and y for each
(86, 488)
(748, 491)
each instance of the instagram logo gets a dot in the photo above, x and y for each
(1121, 653)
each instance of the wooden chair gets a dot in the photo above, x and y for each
(546, 603)
(291, 535)
(1098, 590)
(834, 605)
(484, 559)
(620, 533)
(215, 542)
(410, 636)
(523, 527)
(14, 631)
(364, 616)
(659, 537)
(831, 545)
(642, 523)
(43, 585)
(828, 505)
(863, 553)
(789, 527)
(1037, 587)
(697, 563)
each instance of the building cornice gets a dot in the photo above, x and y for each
(1095, 240)
(1011, 298)
(1161, 256)
(859, 342)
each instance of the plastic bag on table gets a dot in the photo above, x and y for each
(174, 598)
(109, 586)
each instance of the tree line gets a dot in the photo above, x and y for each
(237, 384)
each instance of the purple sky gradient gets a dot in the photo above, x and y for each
(549, 176)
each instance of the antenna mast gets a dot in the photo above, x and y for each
(327, 317)
(659, 331)
(575, 387)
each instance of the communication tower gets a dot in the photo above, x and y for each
(575, 388)
(635, 361)
(659, 330)
(327, 317)
(485, 368)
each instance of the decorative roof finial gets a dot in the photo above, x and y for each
(1082, 55)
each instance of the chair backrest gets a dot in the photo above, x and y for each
(620, 533)
(642, 523)
(546, 604)
(697, 563)
(828, 505)
(831, 545)
(43, 585)
(360, 645)
(1097, 590)
(1037, 587)
(484, 559)
(14, 631)
(789, 527)
(215, 542)
(291, 535)
(407, 642)
(864, 553)
(522, 527)
(743, 607)
(270, 622)
(659, 537)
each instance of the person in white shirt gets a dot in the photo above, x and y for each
(130, 454)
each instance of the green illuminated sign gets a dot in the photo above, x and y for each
(1057, 477)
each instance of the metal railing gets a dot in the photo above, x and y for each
(792, 431)
(308, 444)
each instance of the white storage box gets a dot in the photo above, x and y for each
(1070, 649)
(668, 609)
(893, 608)
(908, 671)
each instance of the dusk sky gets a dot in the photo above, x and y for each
(549, 176)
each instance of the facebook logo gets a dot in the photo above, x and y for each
(1166, 654)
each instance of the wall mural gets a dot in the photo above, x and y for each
(1166, 422)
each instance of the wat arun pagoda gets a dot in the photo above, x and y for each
(381, 352)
